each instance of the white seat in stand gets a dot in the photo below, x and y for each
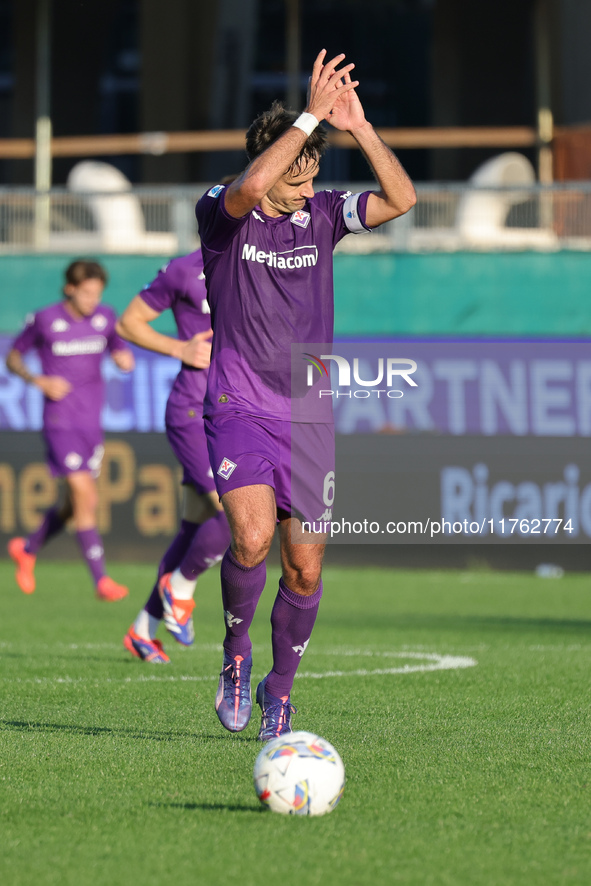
(116, 211)
(481, 218)
(480, 221)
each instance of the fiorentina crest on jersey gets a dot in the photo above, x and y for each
(98, 322)
(226, 468)
(301, 218)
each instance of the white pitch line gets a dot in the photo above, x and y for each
(432, 662)
(437, 663)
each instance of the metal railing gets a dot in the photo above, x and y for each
(161, 220)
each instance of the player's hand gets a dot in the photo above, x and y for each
(327, 84)
(53, 386)
(347, 112)
(197, 351)
(124, 360)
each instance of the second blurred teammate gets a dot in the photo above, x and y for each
(203, 535)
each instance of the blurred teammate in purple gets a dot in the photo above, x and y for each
(204, 534)
(267, 242)
(71, 338)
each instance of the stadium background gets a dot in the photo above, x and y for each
(111, 770)
(423, 65)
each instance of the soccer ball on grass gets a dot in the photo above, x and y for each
(299, 774)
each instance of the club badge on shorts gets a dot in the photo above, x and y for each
(226, 468)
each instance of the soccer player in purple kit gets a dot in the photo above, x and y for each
(204, 533)
(267, 241)
(71, 338)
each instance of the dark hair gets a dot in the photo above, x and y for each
(273, 123)
(83, 269)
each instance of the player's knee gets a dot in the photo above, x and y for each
(83, 496)
(303, 579)
(252, 545)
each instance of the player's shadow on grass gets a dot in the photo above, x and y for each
(210, 807)
(73, 729)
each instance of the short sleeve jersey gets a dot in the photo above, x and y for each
(74, 350)
(270, 284)
(180, 287)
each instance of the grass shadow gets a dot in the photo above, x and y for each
(211, 807)
(73, 729)
(493, 622)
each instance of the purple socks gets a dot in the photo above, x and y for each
(171, 559)
(242, 587)
(51, 525)
(89, 540)
(195, 548)
(292, 620)
(207, 547)
(91, 546)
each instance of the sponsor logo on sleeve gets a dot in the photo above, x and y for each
(215, 191)
(227, 468)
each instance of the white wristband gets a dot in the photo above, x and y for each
(307, 123)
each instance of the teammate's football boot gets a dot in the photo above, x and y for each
(109, 590)
(233, 701)
(276, 713)
(147, 650)
(25, 564)
(177, 613)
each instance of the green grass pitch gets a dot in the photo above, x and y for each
(114, 772)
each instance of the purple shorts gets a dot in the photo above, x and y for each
(73, 450)
(295, 459)
(186, 435)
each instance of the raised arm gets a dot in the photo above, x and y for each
(134, 326)
(326, 84)
(397, 194)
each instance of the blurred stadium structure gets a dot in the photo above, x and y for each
(159, 220)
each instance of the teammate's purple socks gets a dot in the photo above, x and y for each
(171, 559)
(195, 548)
(91, 546)
(242, 587)
(207, 547)
(292, 620)
(51, 525)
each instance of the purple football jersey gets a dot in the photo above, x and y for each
(270, 285)
(180, 286)
(72, 349)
